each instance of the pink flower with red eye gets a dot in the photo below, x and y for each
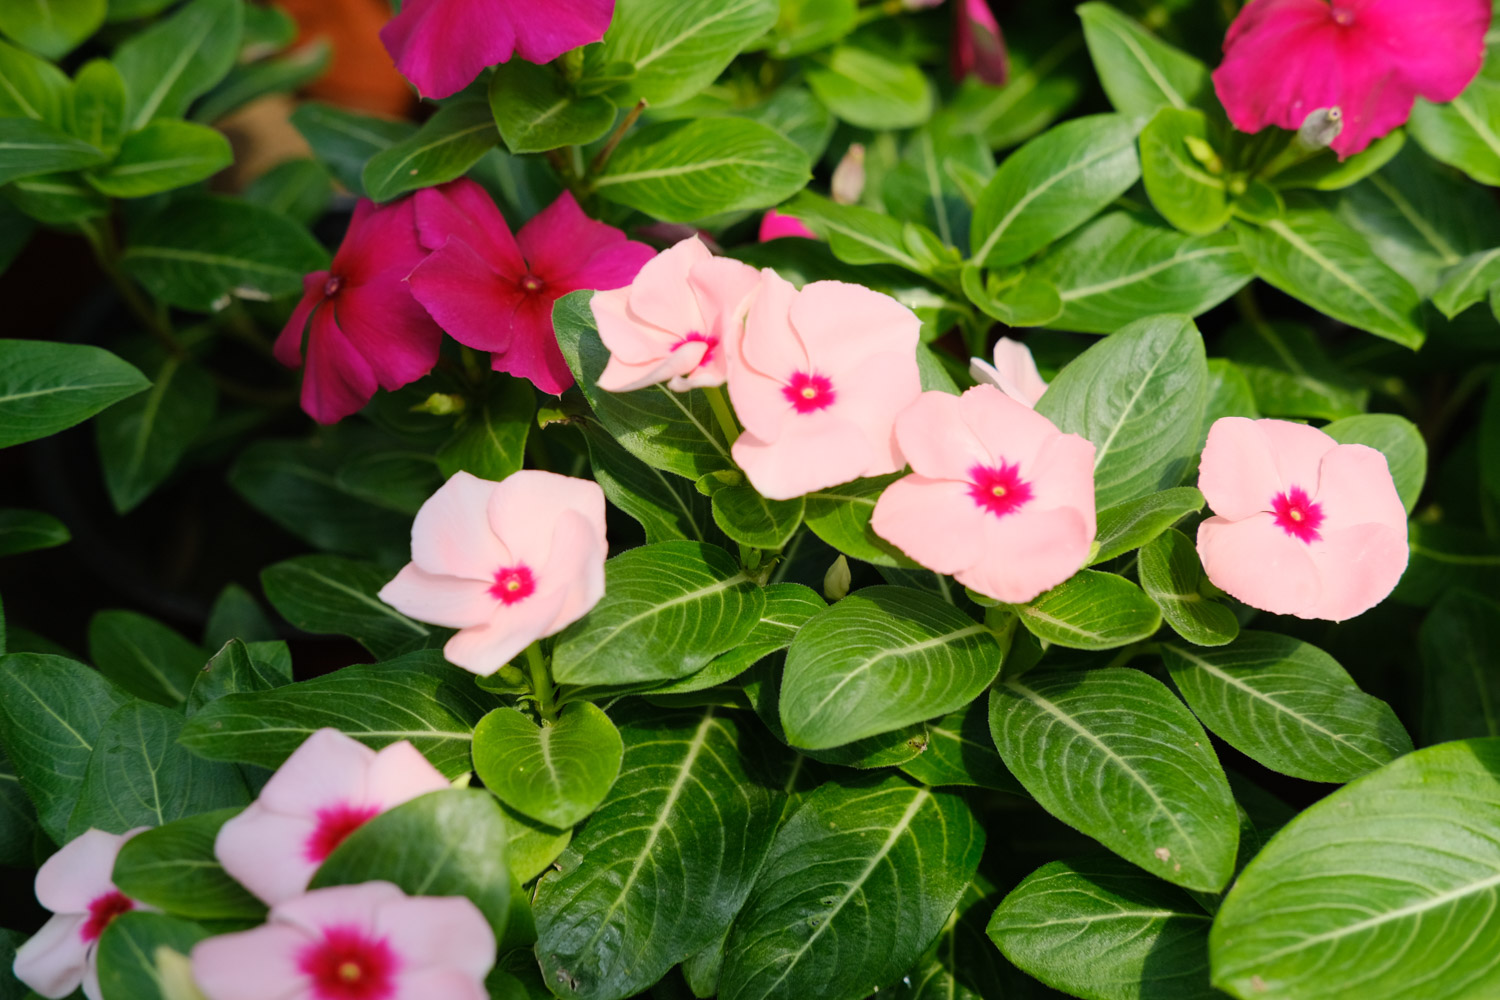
(353, 942)
(978, 46)
(1285, 59)
(367, 332)
(494, 292)
(1013, 373)
(329, 787)
(998, 496)
(671, 324)
(775, 226)
(1304, 525)
(76, 884)
(442, 45)
(817, 378)
(504, 563)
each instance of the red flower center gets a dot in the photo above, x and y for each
(999, 489)
(331, 286)
(513, 584)
(336, 822)
(348, 965)
(809, 393)
(1297, 515)
(102, 910)
(710, 345)
(532, 283)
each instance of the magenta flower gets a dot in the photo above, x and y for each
(672, 323)
(978, 46)
(817, 379)
(1285, 59)
(353, 942)
(494, 292)
(442, 45)
(367, 332)
(998, 497)
(505, 563)
(1013, 373)
(775, 226)
(328, 788)
(76, 884)
(1305, 526)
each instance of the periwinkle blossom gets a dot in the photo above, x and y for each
(998, 497)
(329, 787)
(1013, 372)
(1303, 525)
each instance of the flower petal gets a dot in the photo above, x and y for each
(79, 873)
(660, 294)
(391, 330)
(438, 933)
(445, 983)
(449, 601)
(1359, 566)
(1013, 373)
(1027, 553)
(399, 774)
(1238, 473)
(561, 245)
(1297, 450)
(1258, 563)
(935, 439)
(1355, 487)
(933, 521)
(338, 380)
(339, 905)
(842, 324)
(327, 768)
(259, 964)
(544, 33)
(575, 566)
(266, 852)
(53, 960)
(484, 649)
(452, 534)
(871, 395)
(462, 292)
(813, 451)
(288, 349)
(525, 507)
(1062, 476)
(533, 352)
(441, 46)
(463, 210)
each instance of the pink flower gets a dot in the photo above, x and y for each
(442, 45)
(1013, 373)
(76, 885)
(353, 942)
(329, 787)
(1284, 59)
(1305, 526)
(367, 331)
(817, 379)
(775, 226)
(672, 323)
(494, 292)
(998, 497)
(506, 563)
(978, 46)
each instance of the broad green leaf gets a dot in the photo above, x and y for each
(1048, 74)
(1461, 133)
(840, 515)
(797, 114)
(29, 530)
(445, 147)
(532, 846)
(871, 88)
(1326, 172)
(536, 110)
(857, 883)
(179, 58)
(330, 594)
(31, 87)
(1444, 557)
(46, 387)
(1397, 439)
(298, 189)
(52, 28)
(1103, 929)
(556, 773)
(96, 111)
(166, 154)
(861, 236)
(249, 82)
(1172, 576)
(29, 147)
(344, 141)
(415, 697)
(142, 439)
(234, 670)
(1384, 888)
(1156, 794)
(1127, 526)
(1469, 281)
(1139, 71)
(808, 25)
(1051, 186)
(658, 872)
(1139, 396)
(135, 953)
(668, 609)
(960, 751)
(1015, 298)
(174, 869)
(1091, 610)
(1187, 193)
(143, 656)
(1489, 439)
(682, 171)
(747, 517)
(397, 480)
(236, 615)
(925, 187)
(1288, 705)
(62, 200)
(678, 47)
(1460, 646)
(880, 659)
(789, 606)
(51, 712)
(1290, 373)
(666, 506)
(491, 438)
(18, 824)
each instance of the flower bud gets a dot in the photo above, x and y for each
(836, 580)
(1321, 127)
(849, 176)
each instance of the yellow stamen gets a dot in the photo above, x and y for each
(350, 972)
(998, 491)
(809, 393)
(1294, 514)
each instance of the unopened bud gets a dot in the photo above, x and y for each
(174, 975)
(1204, 154)
(1321, 127)
(441, 404)
(849, 176)
(836, 580)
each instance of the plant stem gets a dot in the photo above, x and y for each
(722, 413)
(106, 252)
(541, 682)
(614, 140)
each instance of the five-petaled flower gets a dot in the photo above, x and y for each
(353, 942)
(998, 496)
(1013, 373)
(1304, 525)
(505, 563)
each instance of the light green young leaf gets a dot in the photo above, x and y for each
(536, 110)
(52, 28)
(166, 154)
(678, 47)
(178, 58)
(96, 111)
(1140, 73)
(1091, 610)
(871, 88)
(556, 773)
(1187, 193)
(29, 147)
(31, 87)
(1462, 133)
(1172, 576)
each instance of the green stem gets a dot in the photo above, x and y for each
(541, 682)
(722, 413)
(106, 252)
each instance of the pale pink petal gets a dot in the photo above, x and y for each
(523, 509)
(338, 380)
(438, 932)
(775, 226)
(328, 767)
(871, 395)
(465, 296)
(770, 346)
(267, 852)
(1062, 476)
(724, 289)
(1013, 373)
(533, 352)
(1026, 553)
(452, 533)
(1355, 487)
(1238, 473)
(80, 872)
(561, 245)
(544, 33)
(936, 441)
(441, 46)
(399, 774)
(934, 521)
(53, 960)
(91, 988)
(813, 451)
(1011, 431)
(630, 339)
(484, 649)
(695, 374)
(1358, 566)
(660, 293)
(259, 964)
(463, 210)
(1297, 450)
(841, 325)
(338, 906)
(575, 566)
(445, 983)
(1259, 564)
(622, 376)
(288, 349)
(449, 601)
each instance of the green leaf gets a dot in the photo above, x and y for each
(536, 110)
(61, 200)
(1290, 374)
(46, 387)
(960, 751)
(31, 87)
(249, 82)
(1489, 439)
(1397, 439)
(143, 656)
(398, 480)
(658, 872)
(29, 147)
(557, 773)
(1386, 883)
(134, 950)
(840, 515)
(1460, 645)
(795, 113)
(236, 615)
(1139, 71)
(445, 147)
(1469, 281)
(667, 610)
(1288, 705)
(861, 236)
(1444, 557)
(330, 594)
(871, 88)
(1014, 298)
(678, 47)
(51, 712)
(96, 112)
(235, 669)
(1461, 133)
(1139, 396)
(52, 28)
(859, 880)
(174, 869)
(666, 506)
(808, 25)
(1051, 186)
(18, 825)
(138, 775)
(166, 154)
(1172, 576)
(1186, 192)
(491, 438)
(926, 186)
(1129, 525)
(749, 518)
(789, 606)
(1326, 172)
(1091, 610)
(880, 659)
(142, 440)
(179, 58)
(298, 189)
(415, 697)
(344, 141)
(29, 530)
(1102, 929)
(682, 171)
(1157, 796)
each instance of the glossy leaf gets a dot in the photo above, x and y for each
(166, 154)
(677, 48)
(1397, 439)
(1140, 73)
(46, 388)
(871, 88)
(859, 235)
(324, 594)
(298, 189)
(173, 868)
(556, 773)
(29, 530)
(491, 438)
(1048, 74)
(749, 518)
(840, 515)
(35, 88)
(666, 506)
(960, 751)
(1460, 645)
(52, 27)
(1127, 526)
(536, 111)
(1467, 282)
(143, 656)
(1172, 576)
(1187, 193)
(235, 670)
(142, 439)
(134, 953)
(29, 147)
(177, 59)
(1461, 133)
(1091, 610)
(1291, 374)
(344, 141)
(789, 606)
(445, 147)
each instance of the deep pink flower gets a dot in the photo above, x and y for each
(998, 497)
(1305, 526)
(505, 563)
(329, 787)
(367, 331)
(978, 46)
(1284, 59)
(774, 226)
(817, 378)
(494, 292)
(76, 884)
(353, 942)
(1013, 373)
(442, 45)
